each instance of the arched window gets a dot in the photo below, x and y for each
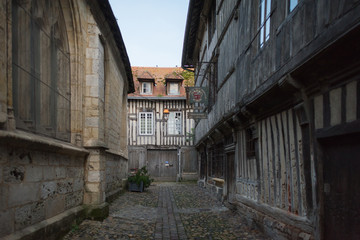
(41, 68)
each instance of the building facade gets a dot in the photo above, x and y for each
(281, 140)
(65, 76)
(162, 142)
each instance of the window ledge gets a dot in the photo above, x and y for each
(32, 141)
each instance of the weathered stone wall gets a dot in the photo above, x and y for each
(45, 184)
(37, 185)
(116, 171)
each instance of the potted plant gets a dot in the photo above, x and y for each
(139, 180)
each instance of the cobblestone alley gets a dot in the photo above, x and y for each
(166, 211)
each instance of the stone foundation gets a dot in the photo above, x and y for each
(274, 222)
(214, 188)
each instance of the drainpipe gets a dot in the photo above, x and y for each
(179, 161)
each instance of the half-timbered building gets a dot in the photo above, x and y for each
(281, 142)
(160, 132)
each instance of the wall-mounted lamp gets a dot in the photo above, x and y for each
(166, 113)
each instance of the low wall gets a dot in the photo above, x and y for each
(37, 185)
(116, 172)
(275, 223)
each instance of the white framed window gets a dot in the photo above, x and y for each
(146, 123)
(174, 89)
(264, 12)
(293, 4)
(146, 88)
(174, 123)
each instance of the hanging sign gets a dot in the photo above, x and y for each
(197, 95)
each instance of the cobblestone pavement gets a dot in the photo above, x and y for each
(166, 211)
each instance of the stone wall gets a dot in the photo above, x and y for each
(37, 185)
(116, 171)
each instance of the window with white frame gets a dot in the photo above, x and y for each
(174, 123)
(293, 4)
(264, 10)
(146, 124)
(146, 88)
(174, 88)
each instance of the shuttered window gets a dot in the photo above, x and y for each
(146, 123)
(174, 123)
(41, 68)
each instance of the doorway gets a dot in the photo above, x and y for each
(162, 164)
(341, 168)
(230, 176)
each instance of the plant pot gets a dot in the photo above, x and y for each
(133, 187)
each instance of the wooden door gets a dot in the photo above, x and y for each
(162, 164)
(342, 188)
(230, 176)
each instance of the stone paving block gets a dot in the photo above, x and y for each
(167, 211)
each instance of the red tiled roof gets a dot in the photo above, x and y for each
(159, 75)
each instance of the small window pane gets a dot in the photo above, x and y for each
(292, 4)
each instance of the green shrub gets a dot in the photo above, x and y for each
(141, 175)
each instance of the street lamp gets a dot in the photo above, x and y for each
(166, 113)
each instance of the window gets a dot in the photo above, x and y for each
(41, 68)
(146, 123)
(174, 123)
(174, 88)
(217, 161)
(251, 141)
(146, 88)
(264, 10)
(213, 83)
(212, 21)
(293, 4)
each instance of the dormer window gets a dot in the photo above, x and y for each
(174, 88)
(146, 88)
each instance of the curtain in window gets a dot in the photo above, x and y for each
(174, 123)
(174, 89)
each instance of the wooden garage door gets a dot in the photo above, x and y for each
(162, 164)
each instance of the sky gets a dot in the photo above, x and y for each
(152, 30)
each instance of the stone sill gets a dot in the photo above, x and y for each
(32, 141)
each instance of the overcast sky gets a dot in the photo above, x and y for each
(153, 30)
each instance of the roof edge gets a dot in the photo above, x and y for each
(106, 9)
(192, 25)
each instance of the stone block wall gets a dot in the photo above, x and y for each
(37, 185)
(116, 171)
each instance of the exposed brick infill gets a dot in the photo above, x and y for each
(168, 222)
